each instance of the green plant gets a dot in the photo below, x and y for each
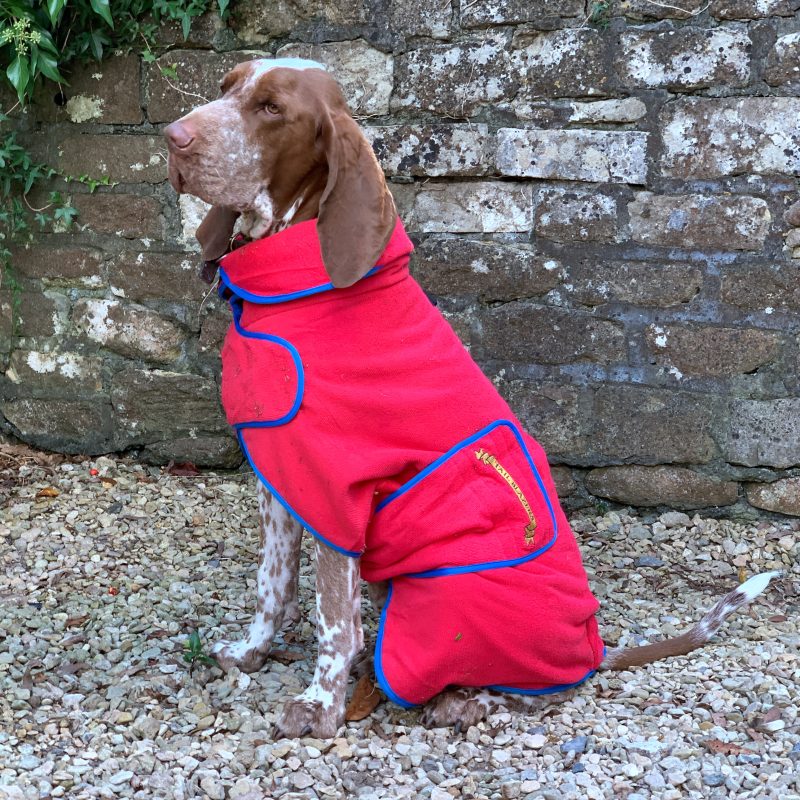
(193, 652)
(39, 41)
(600, 14)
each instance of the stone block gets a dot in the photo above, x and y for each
(130, 330)
(552, 414)
(127, 215)
(576, 215)
(259, 22)
(106, 93)
(207, 31)
(565, 483)
(714, 137)
(533, 334)
(565, 63)
(432, 150)
(61, 266)
(684, 58)
(66, 426)
(700, 221)
(199, 74)
(35, 370)
(574, 155)
(422, 17)
(209, 452)
(628, 109)
(711, 350)
(191, 212)
(765, 432)
(405, 195)
(454, 80)
(643, 424)
(363, 73)
(675, 487)
(783, 62)
(752, 9)
(782, 496)
(123, 158)
(157, 276)
(596, 281)
(761, 287)
(514, 12)
(42, 314)
(647, 10)
(486, 270)
(213, 326)
(480, 207)
(157, 406)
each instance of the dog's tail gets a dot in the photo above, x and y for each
(622, 657)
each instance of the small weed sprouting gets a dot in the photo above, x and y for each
(600, 14)
(193, 652)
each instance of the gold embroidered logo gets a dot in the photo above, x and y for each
(488, 458)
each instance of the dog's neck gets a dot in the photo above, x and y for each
(270, 215)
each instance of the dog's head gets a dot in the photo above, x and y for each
(280, 146)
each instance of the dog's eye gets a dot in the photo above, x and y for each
(271, 108)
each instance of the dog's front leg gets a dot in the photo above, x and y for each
(278, 566)
(319, 710)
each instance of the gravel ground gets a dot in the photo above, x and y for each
(105, 580)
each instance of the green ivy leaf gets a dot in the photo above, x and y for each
(18, 74)
(223, 7)
(101, 8)
(170, 71)
(48, 66)
(54, 8)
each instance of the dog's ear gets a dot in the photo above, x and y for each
(215, 231)
(356, 212)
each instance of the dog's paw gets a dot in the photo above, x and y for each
(459, 708)
(243, 655)
(308, 718)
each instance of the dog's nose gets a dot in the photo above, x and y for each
(179, 135)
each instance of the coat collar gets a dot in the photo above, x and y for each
(288, 265)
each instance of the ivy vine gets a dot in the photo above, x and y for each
(42, 40)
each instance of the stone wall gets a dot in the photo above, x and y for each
(605, 211)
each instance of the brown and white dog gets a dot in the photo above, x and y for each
(277, 148)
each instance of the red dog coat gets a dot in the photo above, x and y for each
(363, 414)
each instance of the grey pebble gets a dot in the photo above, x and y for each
(576, 745)
(648, 561)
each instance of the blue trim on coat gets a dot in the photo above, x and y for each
(316, 534)
(236, 308)
(383, 681)
(435, 573)
(378, 664)
(271, 299)
(561, 687)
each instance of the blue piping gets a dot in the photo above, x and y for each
(316, 534)
(378, 663)
(435, 573)
(236, 308)
(272, 299)
(383, 681)
(240, 427)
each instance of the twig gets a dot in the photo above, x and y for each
(38, 210)
(182, 91)
(677, 8)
